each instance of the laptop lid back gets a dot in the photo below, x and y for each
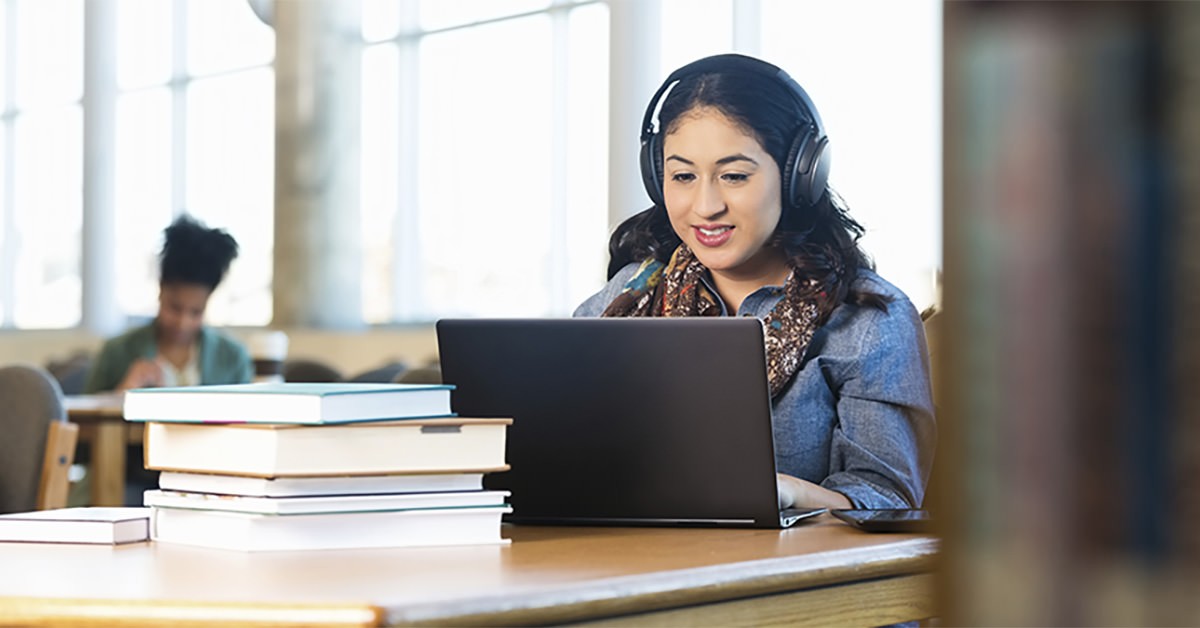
(622, 421)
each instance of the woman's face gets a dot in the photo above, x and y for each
(181, 311)
(722, 192)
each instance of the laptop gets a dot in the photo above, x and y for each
(624, 421)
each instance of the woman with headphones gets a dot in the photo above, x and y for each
(744, 224)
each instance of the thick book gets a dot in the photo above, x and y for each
(450, 445)
(323, 504)
(104, 526)
(284, 402)
(313, 486)
(255, 532)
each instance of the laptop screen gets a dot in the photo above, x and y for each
(638, 421)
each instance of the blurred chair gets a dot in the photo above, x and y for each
(71, 372)
(381, 375)
(421, 375)
(933, 320)
(38, 445)
(309, 371)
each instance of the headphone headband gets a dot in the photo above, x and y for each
(807, 166)
(730, 64)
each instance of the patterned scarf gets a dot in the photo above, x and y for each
(676, 289)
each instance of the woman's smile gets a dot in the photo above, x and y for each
(713, 236)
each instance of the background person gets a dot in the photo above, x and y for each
(176, 348)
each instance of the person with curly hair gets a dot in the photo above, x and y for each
(176, 348)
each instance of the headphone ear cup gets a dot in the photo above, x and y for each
(651, 162)
(820, 170)
(807, 168)
(791, 174)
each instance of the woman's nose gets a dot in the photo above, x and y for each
(709, 202)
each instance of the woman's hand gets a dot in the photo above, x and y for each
(797, 493)
(142, 374)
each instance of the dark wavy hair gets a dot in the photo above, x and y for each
(193, 253)
(821, 240)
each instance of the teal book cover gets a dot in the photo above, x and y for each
(298, 388)
(289, 403)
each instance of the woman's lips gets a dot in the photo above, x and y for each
(713, 235)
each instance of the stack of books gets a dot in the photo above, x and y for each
(292, 466)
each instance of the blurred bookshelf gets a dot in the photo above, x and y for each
(1070, 470)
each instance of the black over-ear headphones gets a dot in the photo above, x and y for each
(807, 167)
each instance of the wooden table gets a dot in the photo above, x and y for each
(102, 424)
(819, 573)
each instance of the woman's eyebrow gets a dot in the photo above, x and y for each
(732, 158)
(720, 162)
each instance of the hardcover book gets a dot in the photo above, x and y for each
(256, 532)
(449, 445)
(332, 485)
(104, 526)
(324, 503)
(284, 402)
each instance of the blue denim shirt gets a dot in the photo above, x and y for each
(857, 417)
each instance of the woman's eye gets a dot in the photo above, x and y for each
(683, 177)
(735, 177)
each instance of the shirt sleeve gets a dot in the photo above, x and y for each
(231, 361)
(883, 443)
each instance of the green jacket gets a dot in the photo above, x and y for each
(223, 360)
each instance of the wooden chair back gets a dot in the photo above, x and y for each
(55, 483)
(37, 446)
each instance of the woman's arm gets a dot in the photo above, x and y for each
(882, 447)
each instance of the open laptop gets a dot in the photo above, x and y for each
(629, 421)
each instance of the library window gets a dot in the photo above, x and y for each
(41, 200)
(195, 120)
(484, 158)
(190, 90)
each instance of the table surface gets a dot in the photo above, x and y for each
(547, 574)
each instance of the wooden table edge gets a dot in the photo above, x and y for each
(31, 611)
(640, 593)
(596, 599)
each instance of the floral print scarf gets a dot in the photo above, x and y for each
(676, 289)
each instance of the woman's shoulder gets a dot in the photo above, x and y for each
(595, 304)
(223, 342)
(896, 315)
(871, 282)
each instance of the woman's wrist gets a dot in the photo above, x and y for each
(797, 493)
